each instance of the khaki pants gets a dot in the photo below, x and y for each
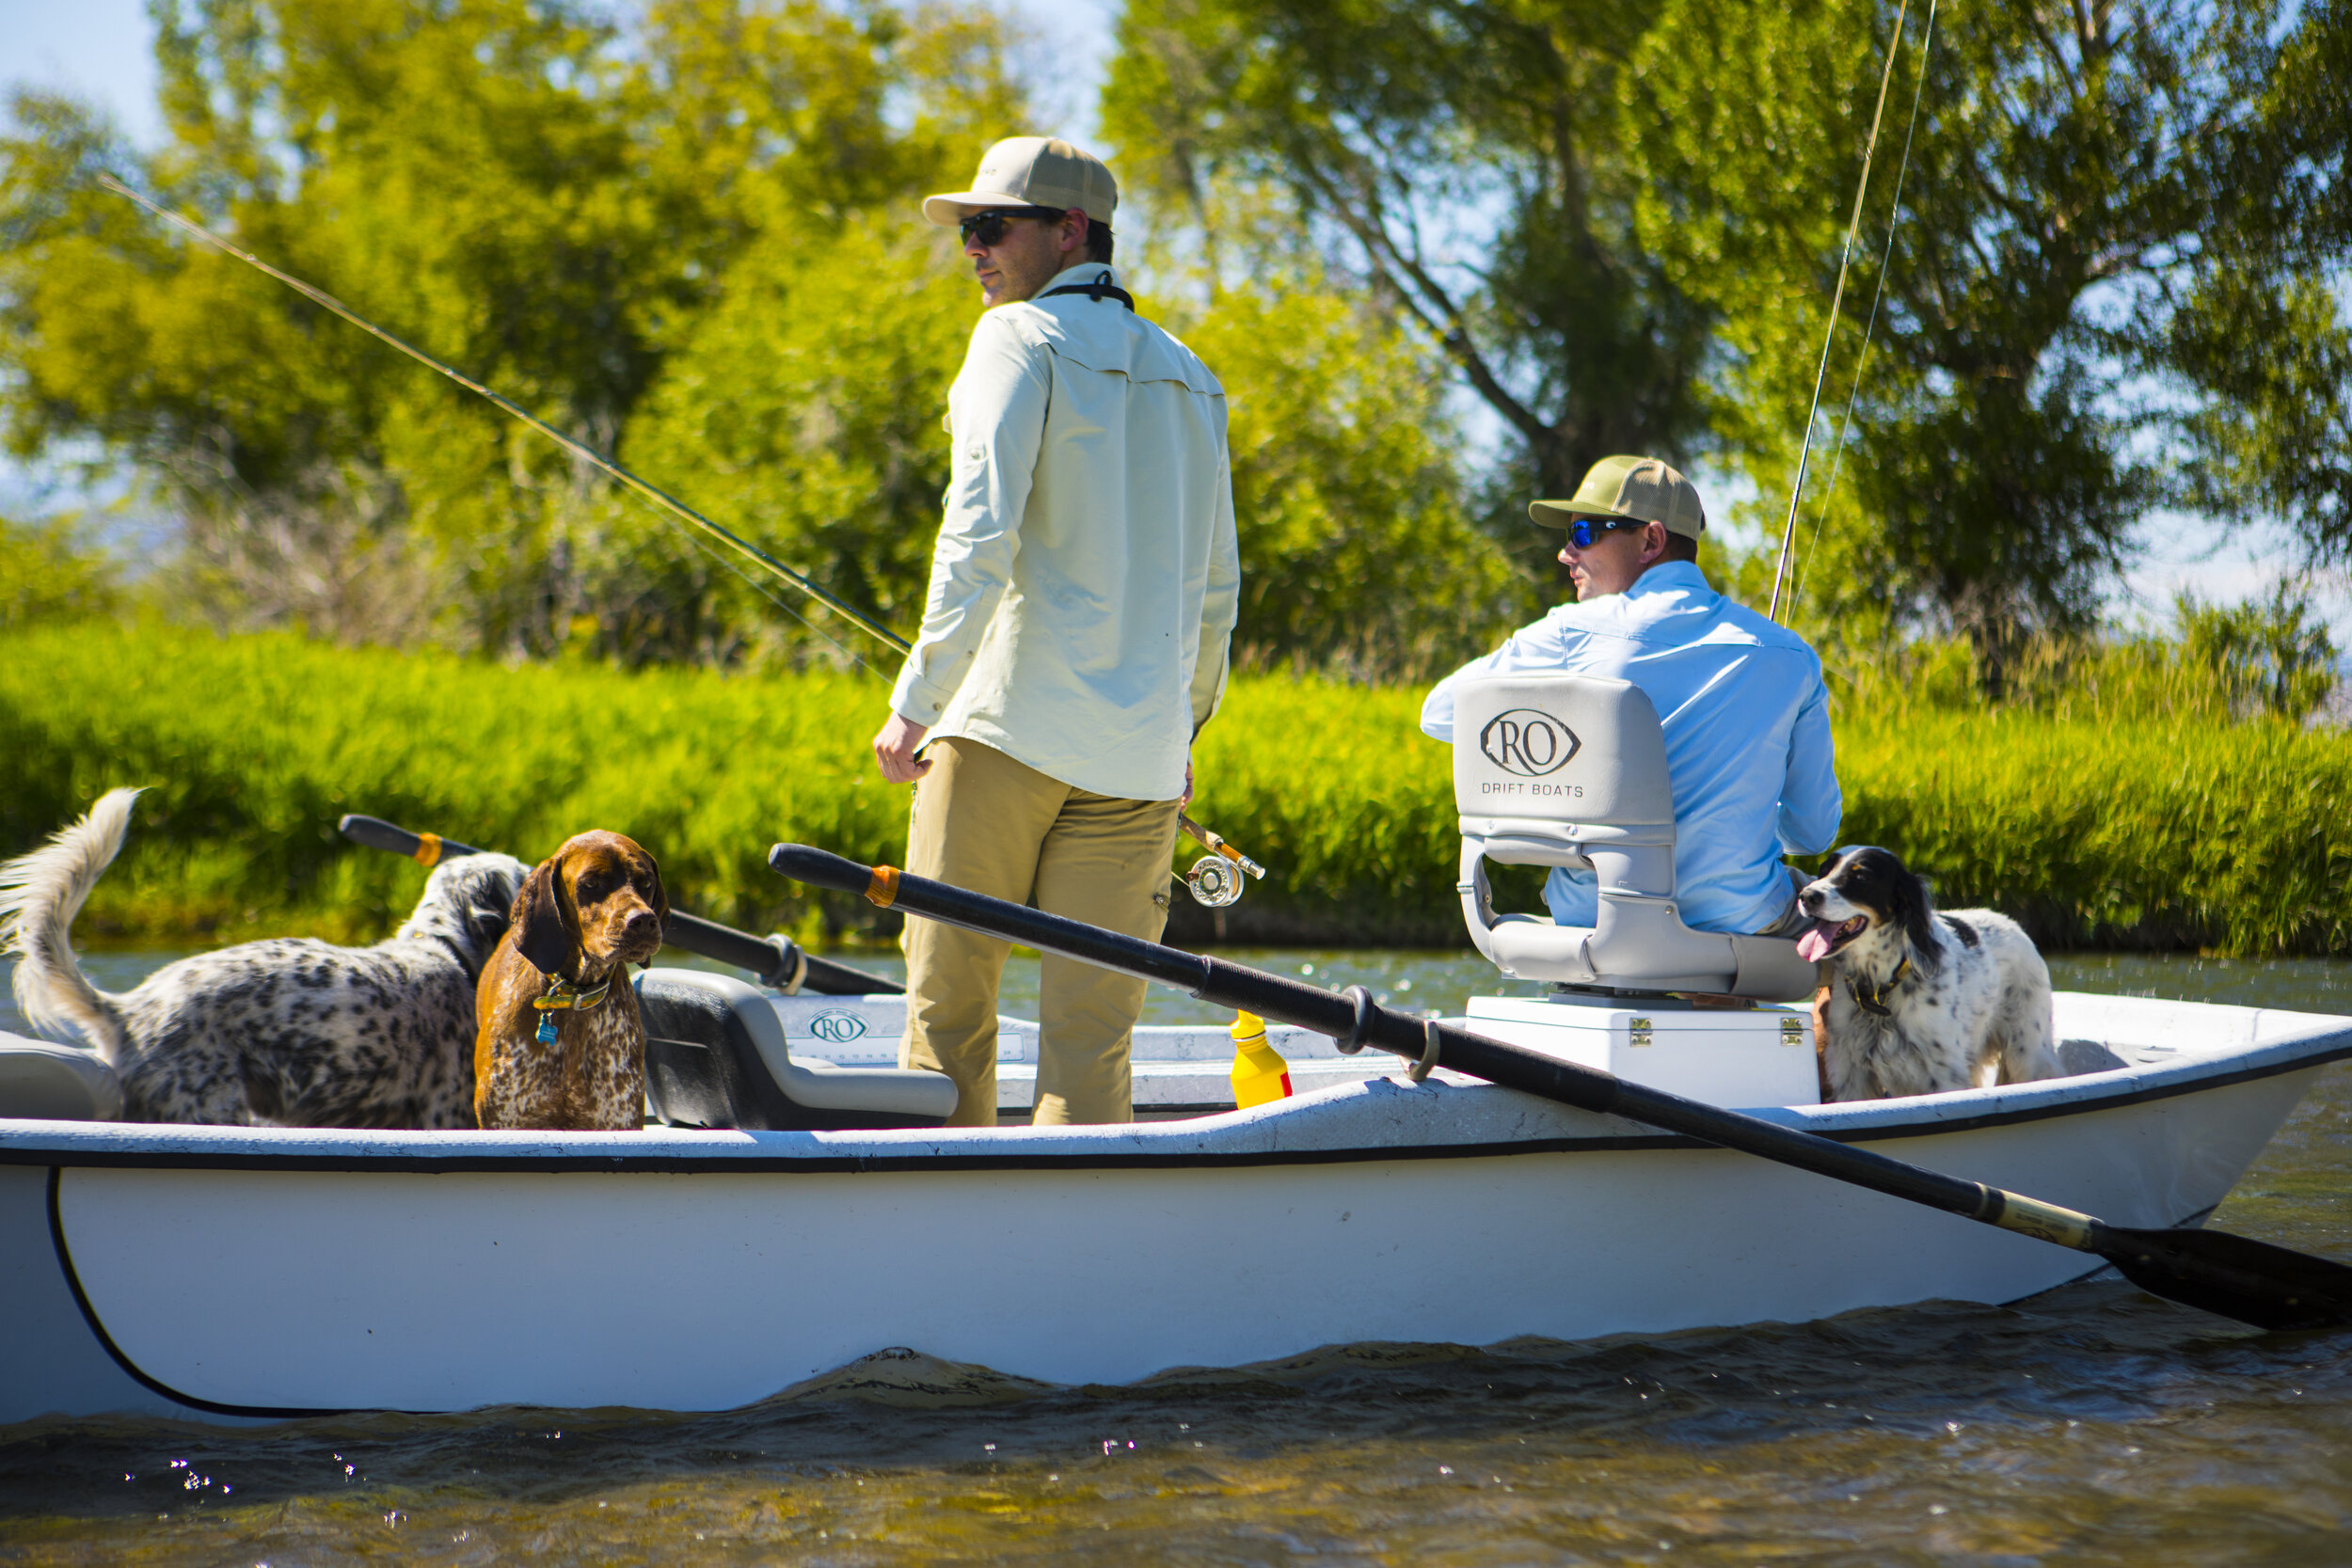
(985, 822)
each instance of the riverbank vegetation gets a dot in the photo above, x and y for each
(2148, 806)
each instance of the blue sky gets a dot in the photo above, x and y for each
(99, 50)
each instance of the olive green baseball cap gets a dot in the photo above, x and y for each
(1031, 171)
(1630, 488)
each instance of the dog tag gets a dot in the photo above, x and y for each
(546, 1029)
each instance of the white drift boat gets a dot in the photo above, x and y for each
(270, 1273)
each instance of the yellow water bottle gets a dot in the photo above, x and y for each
(1259, 1074)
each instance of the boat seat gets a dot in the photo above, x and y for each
(1570, 770)
(44, 1080)
(716, 1056)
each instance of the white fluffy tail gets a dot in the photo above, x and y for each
(40, 896)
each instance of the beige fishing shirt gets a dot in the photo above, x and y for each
(1086, 576)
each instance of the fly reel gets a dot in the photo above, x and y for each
(1215, 881)
(1216, 878)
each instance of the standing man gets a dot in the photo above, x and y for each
(1082, 594)
(1740, 698)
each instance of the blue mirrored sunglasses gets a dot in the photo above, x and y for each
(1581, 531)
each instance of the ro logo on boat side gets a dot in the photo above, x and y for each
(1528, 743)
(834, 1028)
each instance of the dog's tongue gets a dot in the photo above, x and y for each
(1814, 945)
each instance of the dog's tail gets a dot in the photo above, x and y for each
(40, 896)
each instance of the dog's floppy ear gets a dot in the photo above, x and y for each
(660, 893)
(1915, 911)
(546, 929)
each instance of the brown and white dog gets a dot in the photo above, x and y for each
(290, 1032)
(1921, 1003)
(561, 1045)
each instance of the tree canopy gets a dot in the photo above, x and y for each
(692, 244)
(2110, 284)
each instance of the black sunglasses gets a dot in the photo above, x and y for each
(989, 228)
(1580, 532)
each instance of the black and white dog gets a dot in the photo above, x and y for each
(1922, 1003)
(292, 1033)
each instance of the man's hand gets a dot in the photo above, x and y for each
(894, 749)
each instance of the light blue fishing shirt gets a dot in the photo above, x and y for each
(1746, 719)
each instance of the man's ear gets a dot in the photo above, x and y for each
(546, 931)
(1653, 543)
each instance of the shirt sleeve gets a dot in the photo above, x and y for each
(1811, 804)
(997, 425)
(1221, 606)
(1516, 654)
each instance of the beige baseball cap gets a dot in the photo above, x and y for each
(1630, 488)
(1031, 171)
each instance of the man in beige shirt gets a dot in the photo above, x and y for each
(1082, 594)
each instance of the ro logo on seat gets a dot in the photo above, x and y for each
(1528, 743)
(836, 1028)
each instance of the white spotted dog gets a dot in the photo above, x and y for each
(1921, 1003)
(290, 1032)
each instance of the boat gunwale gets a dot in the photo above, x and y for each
(698, 1152)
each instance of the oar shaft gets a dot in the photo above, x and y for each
(1363, 1023)
(775, 961)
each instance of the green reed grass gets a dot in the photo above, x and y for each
(2117, 821)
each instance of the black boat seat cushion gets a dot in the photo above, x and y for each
(716, 1056)
(56, 1083)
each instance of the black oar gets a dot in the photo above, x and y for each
(777, 960)
(2252, 1281)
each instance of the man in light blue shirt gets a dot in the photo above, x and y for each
(1740, 698)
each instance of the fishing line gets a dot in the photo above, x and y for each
(1854, 227)
(605, 465)
(778, 600)
(1894, 215)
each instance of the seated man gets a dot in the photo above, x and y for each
(1740, 700)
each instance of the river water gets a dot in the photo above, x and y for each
(2090, 1425)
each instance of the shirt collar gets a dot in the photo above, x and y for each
(1671, 576)
(1083, 272)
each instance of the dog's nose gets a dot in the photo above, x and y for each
(1811, 900)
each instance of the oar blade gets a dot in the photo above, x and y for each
(2235, 1276)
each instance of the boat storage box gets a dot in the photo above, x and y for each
(1730, 1056)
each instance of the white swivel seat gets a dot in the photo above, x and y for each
(1570, 770)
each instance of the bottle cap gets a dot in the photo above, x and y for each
(1247, 1026)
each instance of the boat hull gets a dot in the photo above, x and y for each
(266, 1274)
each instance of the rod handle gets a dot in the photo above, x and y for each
(426, 849)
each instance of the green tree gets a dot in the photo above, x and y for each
(1357, 556)
(49, 573)
(1465, 163)
(2101, 201)
(500, 183)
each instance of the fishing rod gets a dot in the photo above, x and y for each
(777, 960)
(1854, 228)
(580, 449)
